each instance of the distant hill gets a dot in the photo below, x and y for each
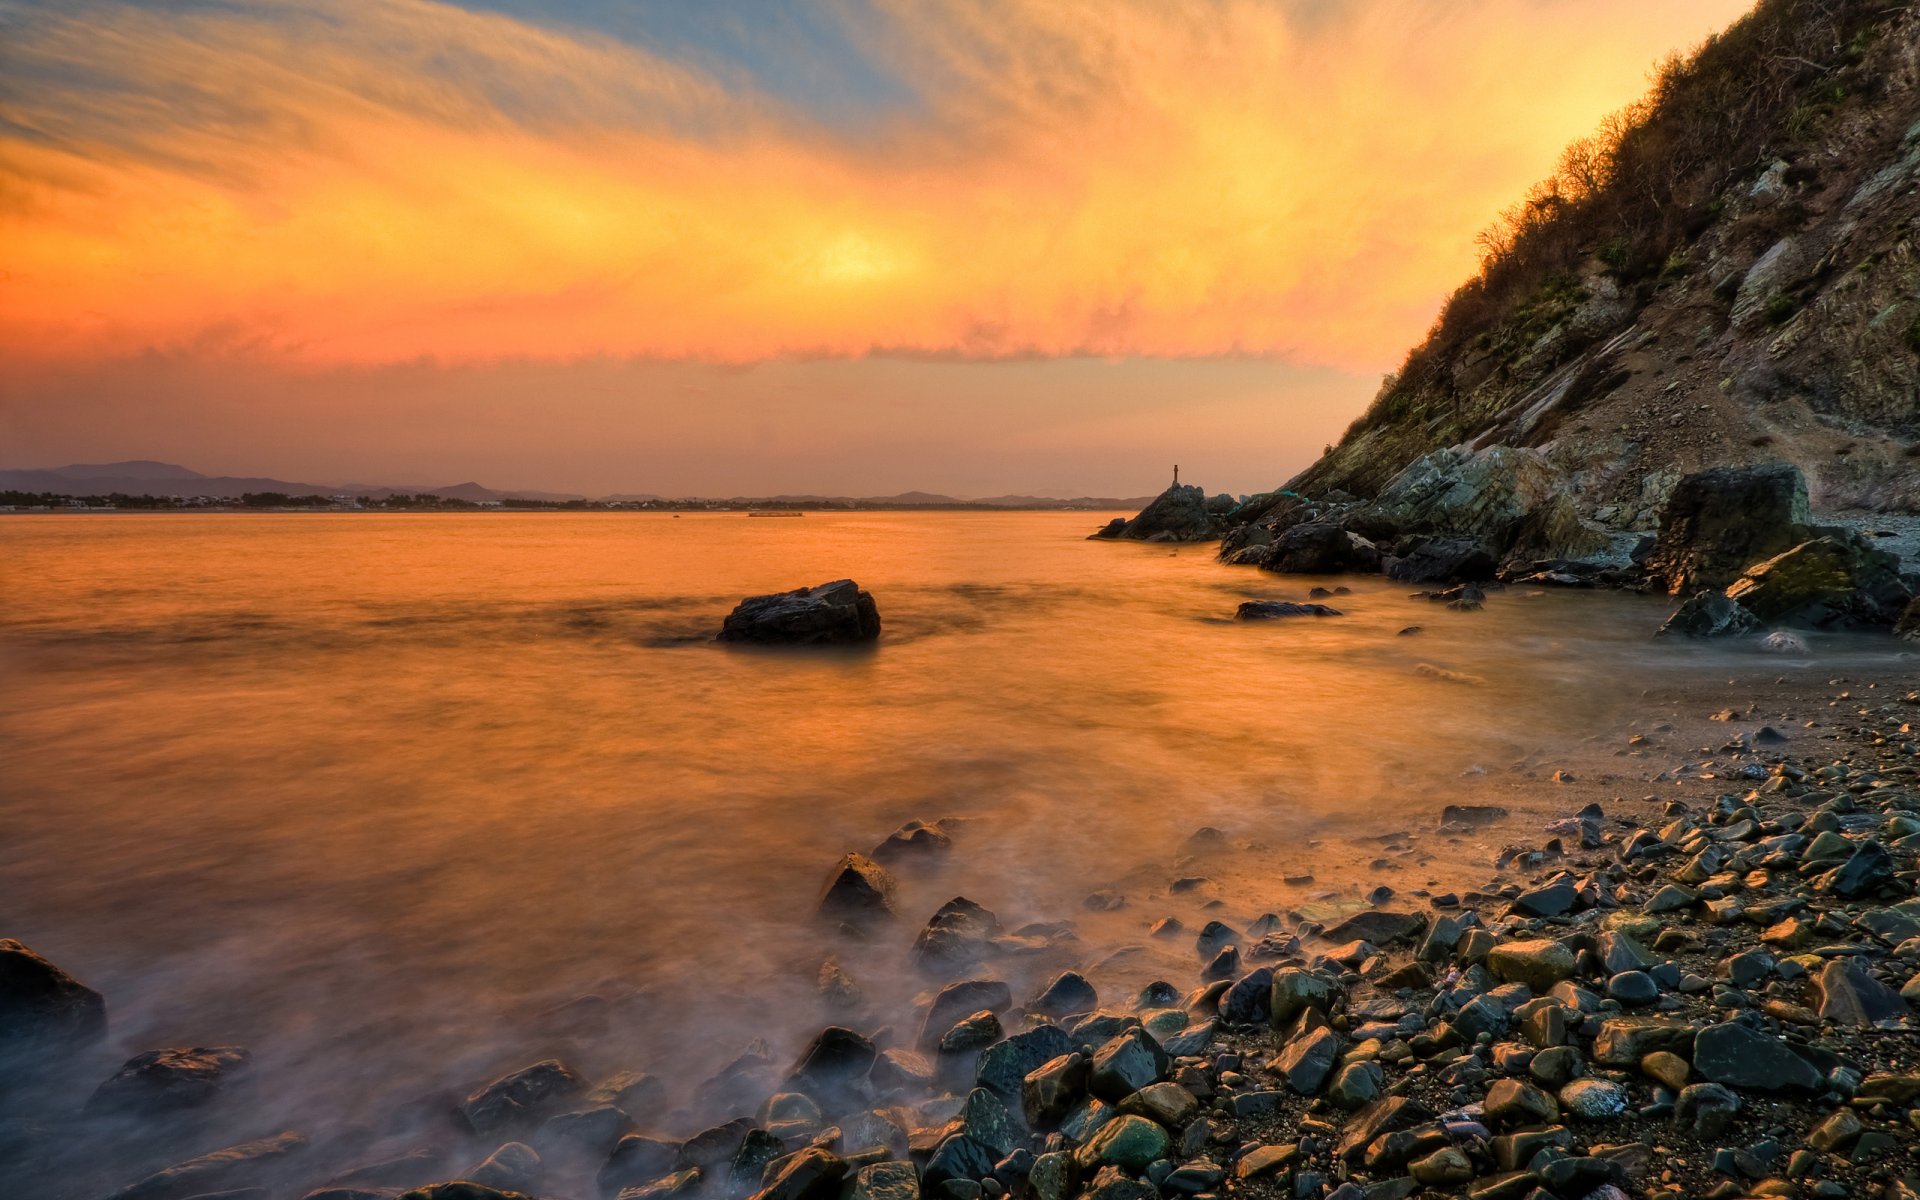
(144, 477)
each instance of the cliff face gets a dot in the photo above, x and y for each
(1733, 280)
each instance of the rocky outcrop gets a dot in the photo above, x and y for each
(1182, 513)
(1830, 581)
(836, 613)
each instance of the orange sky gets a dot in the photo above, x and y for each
(299, 200)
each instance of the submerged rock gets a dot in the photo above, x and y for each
(859, 889)
(40, 1004)
(222, 1170)
(827, 614)
(1260, 610)
(177, 1077)
(517, 1097)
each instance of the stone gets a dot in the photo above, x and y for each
(1179, 514)
(1849, 995)
(1666, 1068)
(1709, 614)
(1357, 1085)
(1828, 581)
(1633, 988)
(1320, 548)
(859, 889)
(1051, 1090)
(1250, 1000)
(1265, 1162)
(1550, 900)
(1445, 1167)
(1294, 991)
(836, 613)
(636, 1159)
(1706, 1110)
(514, 1167)
(1005, 1065)
(958, 1000)
(516, 1098)
(985, 1119)
(1069, 993)
(1268, 610)
(1837, 1133)
(959, 934)
(914, 840)
(1539, 964)
(1740, 1056)
(1624, 1041)
(1593, 1099)
(43, 1006)
(812, 1174)
(1511, 1102)
(832, 1064)
(1378, 926)
(1127, 1142)
(162, 1080)
(1307, 1060)
(1866, 869)
(1717, 522)
(885, 1181)
(218, 1171)
(587, 1132)
(1126, 1064)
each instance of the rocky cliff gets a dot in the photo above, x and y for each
(1726, 275)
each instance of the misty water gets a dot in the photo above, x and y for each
(403, 802)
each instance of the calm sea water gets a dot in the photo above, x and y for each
(374, 794)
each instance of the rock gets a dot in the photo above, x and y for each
(834, 1062)
(958, 935)
(1307, 1060)
(514, 1167)
(1260, 610)
(914, 840)
(1710, 614)
(1835, 1134)
(1250, 1000)
(516, 1098)
(886, 1181)
(1739, 1056)
(1829, 581)
(1474, 816)
(1320, 548)
(1441, 560)
(178, 1077)
(1168, 1103)
(1295, 990)
(1126, 1064)
(1717, 522)
(1496, 496)
(859, 890)
(958, 1000)
(1051, 1090)
(1593, 1099)
(1069, 993)
(1356, 1085)
(1511, 1102)
(218, 1171)
(1848, 995)
(1179, 514)
(587, 1133)
(1549, 900)
(828, 614)
(1378, 926)
(1445, 1167)
(812, 1174)
(466, 1189)
(1127, 1142)
(1706, 1110)
(1539, 964)
(1633, 988)
(636, 1159)
(1782, 642)
(1867, 868)
(1004, 1066)
(43, 1006)
(1625, 1041)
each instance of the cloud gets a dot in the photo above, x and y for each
(376, 181)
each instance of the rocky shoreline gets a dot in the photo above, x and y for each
(1698, 993)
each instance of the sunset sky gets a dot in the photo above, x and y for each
(675, 246)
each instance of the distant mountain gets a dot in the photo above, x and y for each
(144, 477)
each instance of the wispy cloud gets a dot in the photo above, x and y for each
(364, 181)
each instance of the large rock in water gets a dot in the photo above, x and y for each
(859, 889)
(43, 1006)
(1182, 513)
(832, 613)
(1320, 548)
(1836, 580)
(1717, 523)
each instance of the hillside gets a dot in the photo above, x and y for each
(1725, 274)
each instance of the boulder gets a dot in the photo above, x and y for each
(514, 1098)
(221, 1170)
(1739, 1056)
(1539, 964)
(1179, 514)
(1849, 995)
(162, 1080)
(1709, 614)
(959, 934)
(829, 614)
(1828, 581)
(1718, 522)
(1440, 560)
(859, 889)
(42, 1005)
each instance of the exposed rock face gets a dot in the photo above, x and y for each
(829, 614)
(42, 1005)
(1483, 496)
(1182, 513)
(1717, 523)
